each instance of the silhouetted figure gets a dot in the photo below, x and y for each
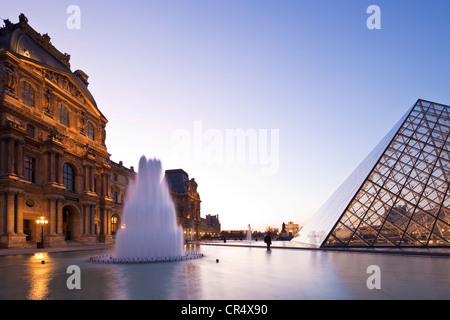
(268, 241)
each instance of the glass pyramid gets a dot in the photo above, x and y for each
(399, 195)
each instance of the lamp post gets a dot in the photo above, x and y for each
(41, 221)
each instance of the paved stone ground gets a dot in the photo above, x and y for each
(77, 246)
(70, 247)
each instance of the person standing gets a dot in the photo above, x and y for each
(268, 241)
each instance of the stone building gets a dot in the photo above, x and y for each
(210, 226)
(53, 158)
(186, 201)
(292, 229)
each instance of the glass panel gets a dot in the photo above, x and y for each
(351, 221)
(391, 232)
(440, 235)
(358, 241)
(332, 241)
(444, 213)
(415, 235)
(342, 233)
(364, 235)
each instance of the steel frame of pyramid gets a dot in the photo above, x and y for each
(400, 195)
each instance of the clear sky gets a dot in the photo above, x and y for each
(313, 86)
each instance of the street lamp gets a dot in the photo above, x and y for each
(41, 221)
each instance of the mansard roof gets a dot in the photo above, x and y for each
(176, 179)
(30, 46)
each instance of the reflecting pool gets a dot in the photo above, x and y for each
(238, 273)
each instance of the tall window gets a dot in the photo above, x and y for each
(27, 94)
(30, 130)
(90, 131)
(114, 222)
(63, 115)
(69, 177)
(29, 166)
(114, 196)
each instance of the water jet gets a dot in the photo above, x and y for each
(149, 231)
(249, 233)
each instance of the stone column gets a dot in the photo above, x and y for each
(83, 219)
(3, 156)
(105, 222)
(102, 223)
(10, 155)
(87, 218)
(91, 220)
(45, 169)
(91, 176)
(52, 167)
(108, 222)
(104, 185)
(58, 169)
(19, 213)
(59, 217)
(10, 212)
(86, 179)
(2, 212)
(107, 186)
(19, 158)
(52, 215)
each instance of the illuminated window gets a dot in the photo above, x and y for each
(69, 177)
(30, 130)
(114, 224)
(29, 169)
(27, 94)
(63, 115)
(90, 131)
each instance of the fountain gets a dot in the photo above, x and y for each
(249, 233)
(149, 232)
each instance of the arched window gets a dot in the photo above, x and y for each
(69, 177)
(90, 131)
(27, 94)
(63, 115)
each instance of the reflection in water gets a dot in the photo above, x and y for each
(191, 281)
(155, 281)
(241, 273)
(39, 276)
(114, 282)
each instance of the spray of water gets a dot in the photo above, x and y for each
(149, 228)
(249, 233)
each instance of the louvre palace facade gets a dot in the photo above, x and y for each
(53, 159)
(54, 162)
(186, 201)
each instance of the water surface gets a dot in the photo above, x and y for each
(240, 273)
